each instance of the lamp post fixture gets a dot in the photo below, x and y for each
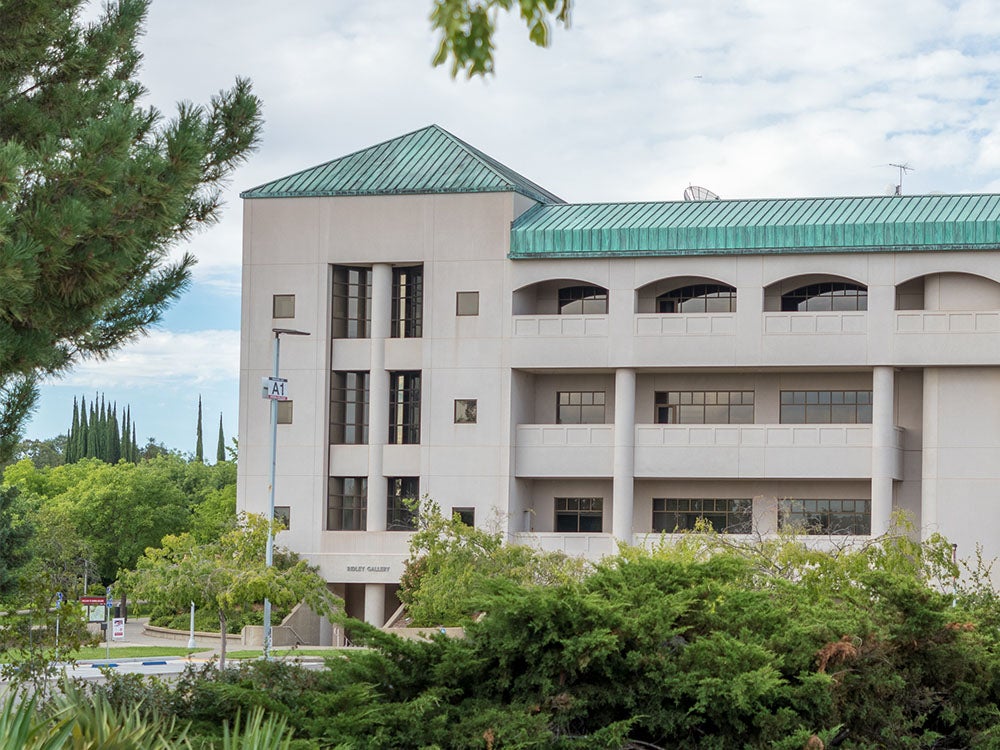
(269, 560)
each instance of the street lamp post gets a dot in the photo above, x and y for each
(269, 559)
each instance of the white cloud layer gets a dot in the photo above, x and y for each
(163, 359)
(637, 100)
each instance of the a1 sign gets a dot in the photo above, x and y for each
(274, 389)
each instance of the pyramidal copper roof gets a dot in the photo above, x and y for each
(429, 160)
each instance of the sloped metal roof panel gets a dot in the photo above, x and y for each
(430, 160)
(864, 224)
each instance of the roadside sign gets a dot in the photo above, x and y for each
(274, 389)
(93, 601)
(118, 628)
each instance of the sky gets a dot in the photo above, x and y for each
(636, 101)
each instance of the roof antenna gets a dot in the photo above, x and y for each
(903, 169)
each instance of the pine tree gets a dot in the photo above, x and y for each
(199, 448)
(220, 449)
(95, 189)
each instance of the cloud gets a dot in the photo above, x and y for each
(163, 358)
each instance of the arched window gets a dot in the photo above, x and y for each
(698, 298)
(583, 300)
(828, 295)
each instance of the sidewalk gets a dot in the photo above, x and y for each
(135, 635)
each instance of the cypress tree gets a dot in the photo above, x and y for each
(92, 431)
(126, 436)
(199, 448)
(102, 432)
(115, 442)
(74, 432)
(135, 446)
(81, 439)
(220, 450)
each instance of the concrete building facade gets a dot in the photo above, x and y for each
(586, 373)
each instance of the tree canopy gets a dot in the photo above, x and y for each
(95, 190)
(227, 575)
(467, 27)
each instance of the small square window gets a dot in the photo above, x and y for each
(467, 303)
(283, 306)
(465, 515)
(284, 412)
(283, 513)
(465, 411)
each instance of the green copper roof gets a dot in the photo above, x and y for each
(430, 160)
(889, 223)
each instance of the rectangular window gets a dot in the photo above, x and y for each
(580, 407)
(704, 407)
(826, 517)
(398, 516)
(465, 515)
(465, 411)
(283, 514)
(467, 303)
(283, 306)
(349, 408)
(352, 294)
(580, 514)
(284, 412)
(826, 407)
(404, 408)
(727, 516)
(347, 504)
(407, 302)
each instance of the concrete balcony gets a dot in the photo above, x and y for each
(559, 340)
(589, 546)
(946, 338)
(758, 451)
(695, 339)
(821, 338)
(564, 450)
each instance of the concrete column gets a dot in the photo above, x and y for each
(883, 452)
(622, 500)
(929, 454)
(375, 603)
(378, 399)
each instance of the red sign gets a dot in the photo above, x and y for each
(93, 601)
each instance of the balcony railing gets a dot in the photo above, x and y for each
(564, 450)
(560, 325)
(685, 324)
(815, 322)
(834, 451)
(757, 451)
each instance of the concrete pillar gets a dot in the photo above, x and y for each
(622, 500)
(929, 454)
(378, 398)
(883, 448)
(375, 603)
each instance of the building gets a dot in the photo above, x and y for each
(599, 372)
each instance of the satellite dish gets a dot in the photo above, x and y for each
(698, 193)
